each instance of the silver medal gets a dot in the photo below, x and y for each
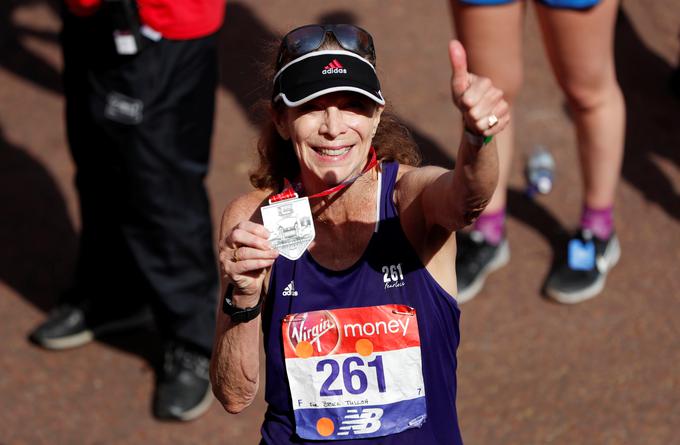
(290, 225)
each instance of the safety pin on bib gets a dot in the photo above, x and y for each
(410, 314)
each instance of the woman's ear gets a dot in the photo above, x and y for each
(279, 119)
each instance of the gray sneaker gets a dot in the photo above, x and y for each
(70, 326)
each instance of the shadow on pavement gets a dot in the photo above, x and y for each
(653, 117)
(246, 44)
(16, 58)
(37, 238)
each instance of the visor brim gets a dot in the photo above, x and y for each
(305, 93)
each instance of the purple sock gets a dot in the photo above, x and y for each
(492, 226)
(599, 221)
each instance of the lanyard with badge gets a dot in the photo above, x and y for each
(288, 218)
(128, 31)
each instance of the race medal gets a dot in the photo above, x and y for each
(290, 225)
(354, 373)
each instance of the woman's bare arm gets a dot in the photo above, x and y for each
(450, 200)
(245, 260)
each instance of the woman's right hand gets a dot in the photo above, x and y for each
(245, 254)
(485, 111)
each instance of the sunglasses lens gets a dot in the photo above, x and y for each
(304, 40)
(354, 39)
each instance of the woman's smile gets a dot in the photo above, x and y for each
(333, 153)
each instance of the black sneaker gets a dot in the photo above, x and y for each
(476, 259)
(71, 326)
(183, 391)
(581, 274)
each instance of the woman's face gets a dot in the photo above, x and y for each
(331, 136)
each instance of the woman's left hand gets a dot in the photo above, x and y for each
(484, 110)
(245, 254)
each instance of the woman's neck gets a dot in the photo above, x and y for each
(347, 203)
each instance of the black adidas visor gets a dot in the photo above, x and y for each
(324, 72)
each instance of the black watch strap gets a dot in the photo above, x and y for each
(237, 314)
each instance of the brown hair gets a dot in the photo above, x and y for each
(277, 160)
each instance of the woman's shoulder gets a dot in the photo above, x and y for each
(403, 169)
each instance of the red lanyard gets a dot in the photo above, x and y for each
(289, 190)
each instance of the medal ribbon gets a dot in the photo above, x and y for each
(289, 190)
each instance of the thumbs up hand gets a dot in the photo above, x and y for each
(484, 110)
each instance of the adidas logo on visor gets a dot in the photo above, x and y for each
(334, 67)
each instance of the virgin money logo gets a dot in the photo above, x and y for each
(318, 329)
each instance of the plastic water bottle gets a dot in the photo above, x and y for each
(540, 171)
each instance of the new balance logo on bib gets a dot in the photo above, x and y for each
(361, 422)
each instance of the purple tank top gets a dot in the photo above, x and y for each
(304, 285)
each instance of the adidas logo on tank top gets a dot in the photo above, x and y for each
(290, 291)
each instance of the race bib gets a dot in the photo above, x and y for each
(354, 373)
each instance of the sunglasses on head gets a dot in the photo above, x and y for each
(308, 38)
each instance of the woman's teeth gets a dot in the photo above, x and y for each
(333, 151)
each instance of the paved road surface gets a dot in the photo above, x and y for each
(531, 372)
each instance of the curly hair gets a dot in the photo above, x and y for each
(276, 156)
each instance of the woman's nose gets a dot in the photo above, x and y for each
(333, 124)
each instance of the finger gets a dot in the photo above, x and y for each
(250, 227)
(459, 70)
(245, 237)
(248, 253)
(254, 228)
(248, 267)
(500, 126)
(502, 114)
(478, 89)
(486, 104)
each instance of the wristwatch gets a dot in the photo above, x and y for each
(237, 314)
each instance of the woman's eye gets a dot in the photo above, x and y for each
(309, 107)
(356, 105)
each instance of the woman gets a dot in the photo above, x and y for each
(360, 327)
(578, 36)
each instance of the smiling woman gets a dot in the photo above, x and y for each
(358, 310)
(331, 136)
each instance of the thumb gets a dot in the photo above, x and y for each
(459, 78)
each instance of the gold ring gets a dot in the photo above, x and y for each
(234, 256)
(492, 120)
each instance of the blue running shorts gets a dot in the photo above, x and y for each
(563, 4)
